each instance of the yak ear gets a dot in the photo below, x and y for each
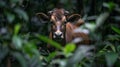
(42, 16)
(79, 22)
(73, 17)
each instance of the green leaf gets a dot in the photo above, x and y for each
(69, 48)
(109, 44)
(17, 42)
(10, 17)
(15, 3)
(113, 47)
(113, 37)
(111, 58)
(16, 29)
(115, 29)
(109, 5)
(22, 14)
(20, 58)
(81, 52)
(118, 48)
(51, 56)
(51, 42)
(30, 49)
(3, 52)
(101, 19)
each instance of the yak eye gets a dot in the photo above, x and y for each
(62, 28)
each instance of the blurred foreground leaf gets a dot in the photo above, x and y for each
(51, 56)
(22, 14)
(10, 17)
(115, 29)
(3, 52)
(113, 37)
(17, 42)
(79, 54)
(111, 58)
(101, 19)
(69, 48)
(17, 28)
(20, 58)
(109, 5)
(51, 42)
(112, 46)
(31, 49)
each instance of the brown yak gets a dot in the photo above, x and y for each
(62, 29)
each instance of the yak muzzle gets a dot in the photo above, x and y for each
(58, 34)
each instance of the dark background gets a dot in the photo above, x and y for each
(21, 45)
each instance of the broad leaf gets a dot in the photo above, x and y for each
(17, 42)
(10, 17)
(20, 58)
(22, 14)
(111, 58)
(101, 19)
(69, 48)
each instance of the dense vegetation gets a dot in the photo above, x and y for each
(23, 36)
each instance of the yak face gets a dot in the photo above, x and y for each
(58, 20)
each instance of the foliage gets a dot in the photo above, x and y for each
(22, 42)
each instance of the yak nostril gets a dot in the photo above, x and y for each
(58, 35)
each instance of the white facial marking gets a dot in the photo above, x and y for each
(58, 32)
(62, 36)
(54, 36)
